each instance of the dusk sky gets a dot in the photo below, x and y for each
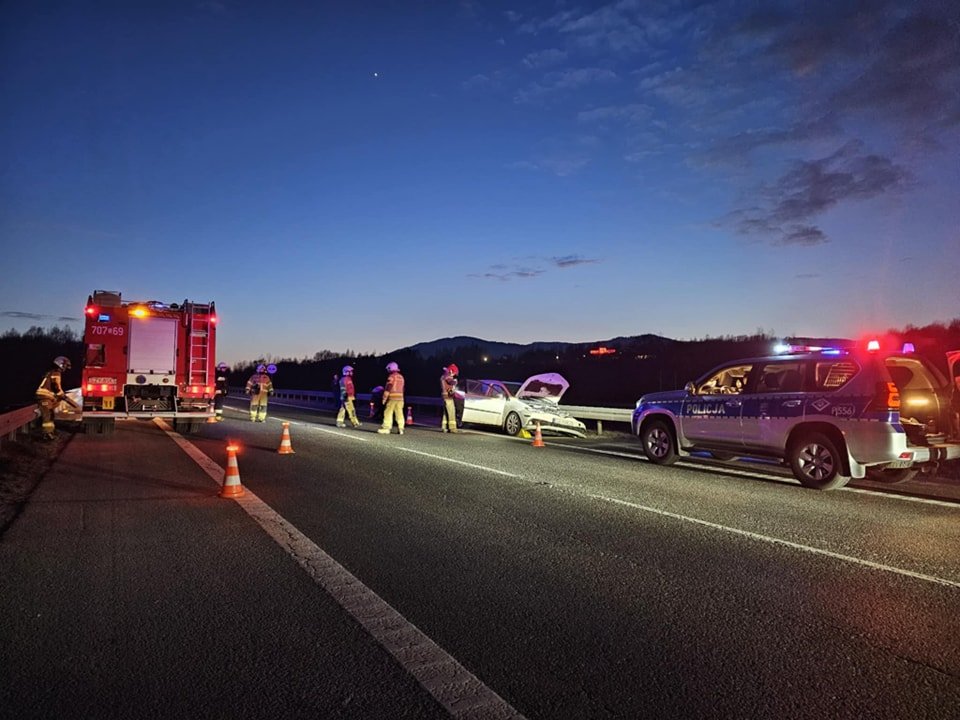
(369, 175)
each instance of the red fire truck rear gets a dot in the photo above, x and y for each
(147, 359)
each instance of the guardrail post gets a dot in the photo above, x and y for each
(599, 427)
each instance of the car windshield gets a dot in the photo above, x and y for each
(491, 388)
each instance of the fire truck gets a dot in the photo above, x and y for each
(147, 359)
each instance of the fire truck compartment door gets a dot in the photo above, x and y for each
(153, 345)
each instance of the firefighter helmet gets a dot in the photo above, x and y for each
(393, 367)
(222, 367)
(453, 369)
(261, 368)
(62, 362)
(347, 370)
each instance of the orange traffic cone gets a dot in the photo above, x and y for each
(285, 447)
(231, 479)
(537, 438)
(409, 414)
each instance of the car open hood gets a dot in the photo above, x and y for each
(546, 386)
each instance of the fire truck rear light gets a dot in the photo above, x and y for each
(90, 310)
(873, 346)
(139, 312)
(213, 319)
(208, 389)
(906, 455)
(89, 387)
(104, 387)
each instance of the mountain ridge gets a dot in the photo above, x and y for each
(450, 345)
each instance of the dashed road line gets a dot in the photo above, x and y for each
(786, 543)
(458, 462)
(458, 690)
(733, 470)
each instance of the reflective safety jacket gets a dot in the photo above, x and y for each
(50, 385)
(346, 388)
(394, 387)
(260, 384)
(448, 383)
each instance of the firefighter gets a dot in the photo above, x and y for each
(392, 400)
(347, 396)
(259, 388)
(448, 387)
(220, 391)
(49, 394)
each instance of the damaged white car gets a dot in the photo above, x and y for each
(515, 407)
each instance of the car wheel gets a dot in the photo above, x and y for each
(512, 425)
(891, 476)
(816, 462)
(725, 456)
(657, 441)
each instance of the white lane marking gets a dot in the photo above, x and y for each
(787, 543)
(458, 462)
(907, 498)
(460, 692)
(338, 432)
(411, 450)
(733, 470)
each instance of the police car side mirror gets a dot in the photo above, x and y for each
(690, 388)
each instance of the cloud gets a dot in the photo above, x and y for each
(631, 114)
(915, 75)
(36, 316)
(568, 261)
(545, 58)
(520, 273)
(562, 82)
(562, 155)
(805, 235)
(898, 61)
(737, 147)
(502, 273)
(811, 187)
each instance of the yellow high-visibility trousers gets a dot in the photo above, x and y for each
(347, 409)
(393, 410)
(448, 421)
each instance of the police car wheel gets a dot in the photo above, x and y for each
(895, 475)
(815, 462)
(658, 443)
(512, 425)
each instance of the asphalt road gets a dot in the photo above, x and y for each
(571, 581)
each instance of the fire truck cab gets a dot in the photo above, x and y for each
(147, 359)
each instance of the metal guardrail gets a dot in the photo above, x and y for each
(17, 421)
(325, 400)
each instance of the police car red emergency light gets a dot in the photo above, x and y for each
(148, 359)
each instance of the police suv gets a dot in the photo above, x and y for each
(831, 414)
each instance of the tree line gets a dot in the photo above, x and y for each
(641, 364)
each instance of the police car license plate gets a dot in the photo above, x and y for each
(108, 403)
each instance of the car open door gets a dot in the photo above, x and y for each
(483, 402)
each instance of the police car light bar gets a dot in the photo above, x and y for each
(788, 348)
(908, 348)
